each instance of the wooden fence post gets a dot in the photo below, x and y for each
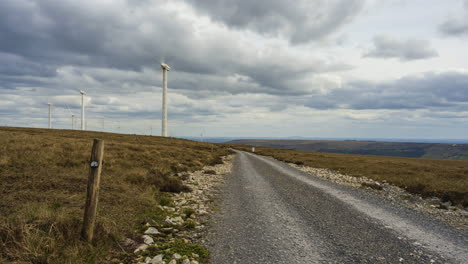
(94, 179)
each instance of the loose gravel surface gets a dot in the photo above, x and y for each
(273, 213)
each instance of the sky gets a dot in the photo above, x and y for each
(265, 68)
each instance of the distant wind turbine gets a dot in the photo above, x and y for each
(50, 115)
(165, 68)
(82, 110)
(72, 117)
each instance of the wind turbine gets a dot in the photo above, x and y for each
(72, 117)
(165, 68)
(82, 110)
(50, 115)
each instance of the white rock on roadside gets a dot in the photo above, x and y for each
(157, 259)
(147, 240)
(174, 220)
(141, 247)
(151, 231)
(199, 200)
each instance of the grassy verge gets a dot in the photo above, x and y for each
(43, 175)
(447, 179)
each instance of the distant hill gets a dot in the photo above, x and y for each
(397, 149)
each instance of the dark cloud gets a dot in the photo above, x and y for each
(50, 49)
(411, 49)
(48, 34)
(448, 90)
(299, 21)
(13, 65)
(456, 26)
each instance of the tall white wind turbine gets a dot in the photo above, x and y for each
(165, 68)
(82, 110)
(50, 115)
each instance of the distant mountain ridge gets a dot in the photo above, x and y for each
(397, 149)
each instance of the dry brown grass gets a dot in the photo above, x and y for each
(447, 179)
(43, 175)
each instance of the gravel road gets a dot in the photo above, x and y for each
(273, 213)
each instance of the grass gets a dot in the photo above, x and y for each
(43, 175)
(178, 246)
(447, 179)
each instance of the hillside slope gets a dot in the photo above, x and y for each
(43, 175)
(398, 149)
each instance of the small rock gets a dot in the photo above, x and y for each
(170, 209)
(173, 261)
(147, 240)
(186, 261)
(174, 220)
(151, 231)
(157, 259)
(195, 255)
(176, 256)
(193, 262)
(141, 247)
(373, 185)
(445, 205)
(434, 200)
(202, 212)
(147, 260)
(167, 229)
(127, 242)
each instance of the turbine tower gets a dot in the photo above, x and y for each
(165, 68)
(82, 110)
(50, 115)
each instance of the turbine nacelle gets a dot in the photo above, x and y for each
(166, 67)
(82, 92)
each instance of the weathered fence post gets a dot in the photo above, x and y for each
(94, 179)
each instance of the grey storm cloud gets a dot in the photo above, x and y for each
(300, 21)
(19, 66)
(37, 37)
(456, 26)
(448, 90)
(406, 50)
(260, 52)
